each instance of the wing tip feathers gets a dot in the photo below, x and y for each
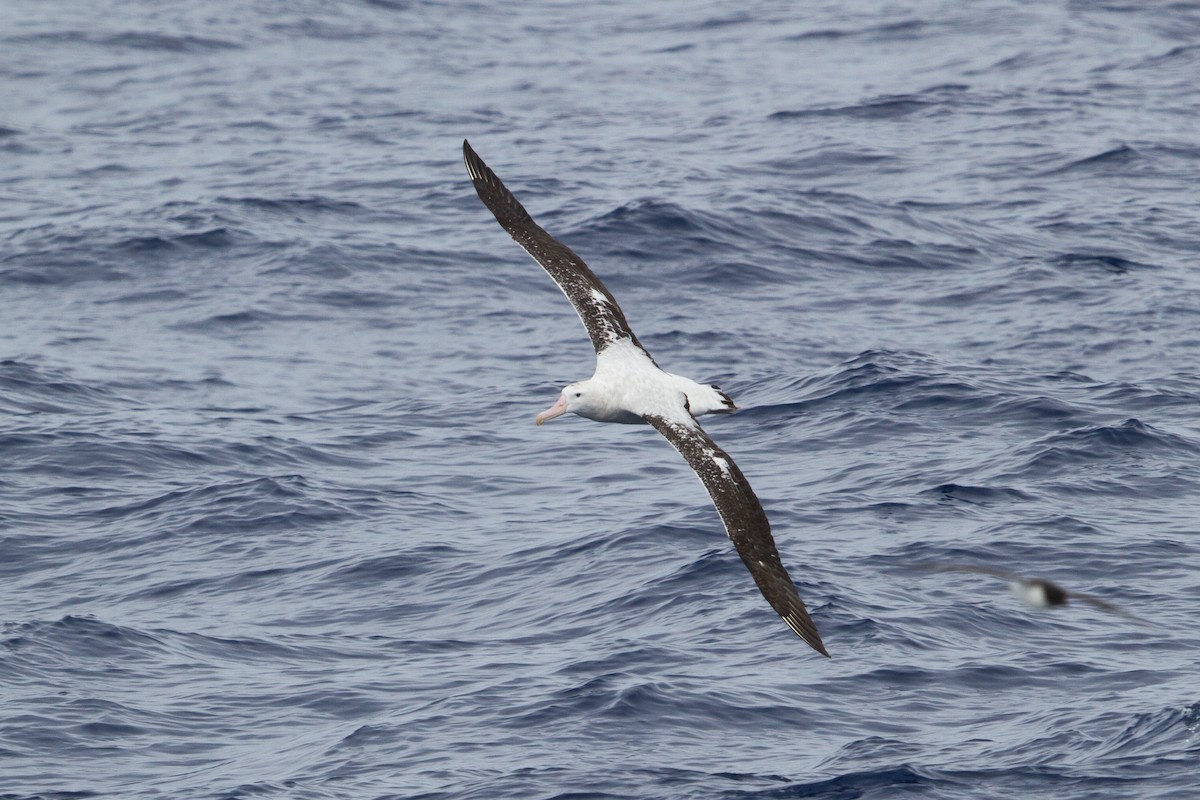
(807, 632)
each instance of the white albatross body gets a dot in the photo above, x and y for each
(629, 387)
(627, 378)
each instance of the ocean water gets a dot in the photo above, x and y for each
(275, 520)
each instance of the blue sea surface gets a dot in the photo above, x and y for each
(275, 520)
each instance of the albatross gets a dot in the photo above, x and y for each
(1037, 592)
(629, 387)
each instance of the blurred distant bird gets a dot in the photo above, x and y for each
(1034, 591)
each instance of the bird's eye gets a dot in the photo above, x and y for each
(579, 394)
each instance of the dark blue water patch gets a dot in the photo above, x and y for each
(236, 323)
(367, 736)
(883, 108)
(149, 297)
(679, 48)
(828, 34)
(1151, 398)
(905, 381)
(390, 5)
(298, 209)
(970, 677)
(843, 161)
(541, 558)
(340, 29)
(1128, 439)
(653, 231)
(694, 584)
(915, 255)
(328, 262)
(828, 232)
(876, 784)
(1108, 263)
(351, 299)
(54, 266)
(1117, 161)
(260, 506)
(208, 648)
(71, 638)
(78, 455)
(15, 144)
(637, 656)
(408, 563)
(1037, 411)
(157, 245)
(28, 388)
(51, 795)
(681, 703)
(976, 495)
(545, 782)
(585, 700)
(1025, 779)
(144, 513)
(137, 40)
(1150, 733)
(791, 231)
(1183, 57)
(1020, 537)
(891, 511)
(284, 487)
(356, 434)
(197, 217)
(912, 386)
(727, 21)
(55, 256)
(926, 236)
(739, 275)
(873, 749)
(905, 30)
(174, 589)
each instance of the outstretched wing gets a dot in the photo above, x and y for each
(745, 521)
(1103, 604)
(603, 318)
(1066, 596)
(997, 573)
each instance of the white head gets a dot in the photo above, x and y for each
(575, 398)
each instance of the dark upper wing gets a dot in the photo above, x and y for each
(598, 309)
(999, 573)
(1102, 604)
(745, 521)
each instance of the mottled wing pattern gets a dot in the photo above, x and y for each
(603, 318)
(745, 521)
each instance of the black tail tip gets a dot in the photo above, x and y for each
(726, 401)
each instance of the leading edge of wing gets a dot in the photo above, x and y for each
(601, 315)
(745, 522)
(995, 573)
